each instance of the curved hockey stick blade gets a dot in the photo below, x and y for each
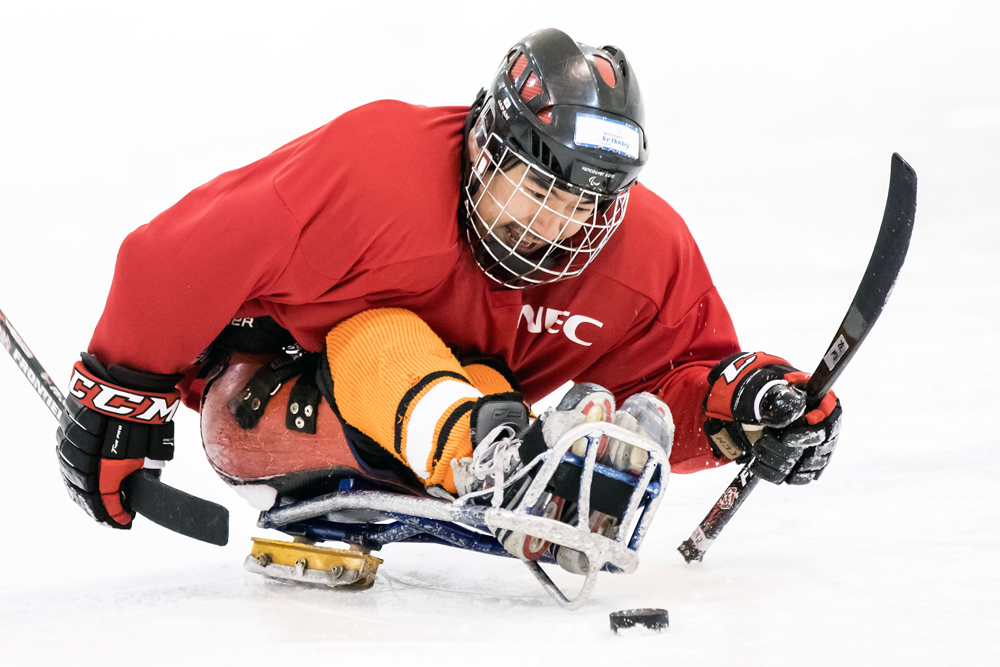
(175, 510)
(879, 279)
(873, 292)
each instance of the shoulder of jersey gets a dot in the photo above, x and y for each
(386, 175)
(399, 126)
(412, 152)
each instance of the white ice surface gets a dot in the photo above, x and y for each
(771, 125)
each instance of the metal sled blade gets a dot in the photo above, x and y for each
(311, 564)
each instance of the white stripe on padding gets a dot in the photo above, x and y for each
(425, 416)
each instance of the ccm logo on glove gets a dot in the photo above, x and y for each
(114, 401)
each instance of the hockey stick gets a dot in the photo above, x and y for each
(873, 292)
(162, 504)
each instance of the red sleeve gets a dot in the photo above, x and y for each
(684, 385)
(179, 279)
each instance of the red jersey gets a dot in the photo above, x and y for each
(363, 213)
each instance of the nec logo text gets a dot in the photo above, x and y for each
(552, 321)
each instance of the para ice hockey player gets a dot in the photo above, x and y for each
(436, 270)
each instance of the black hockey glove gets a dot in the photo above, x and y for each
(756, 410)
(116, 421)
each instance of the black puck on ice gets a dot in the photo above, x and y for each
(652, 620)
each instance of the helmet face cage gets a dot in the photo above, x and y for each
(521, 237)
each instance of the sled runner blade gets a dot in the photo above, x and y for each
(311, 564)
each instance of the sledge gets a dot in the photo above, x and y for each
(366, 508)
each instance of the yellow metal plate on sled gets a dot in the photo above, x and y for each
(289, 556)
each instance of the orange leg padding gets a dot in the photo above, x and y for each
(397, 382)
(487, 379)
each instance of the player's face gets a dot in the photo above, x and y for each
(523, 210)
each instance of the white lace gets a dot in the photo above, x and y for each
(492, 456)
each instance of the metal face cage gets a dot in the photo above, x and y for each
(526, 226)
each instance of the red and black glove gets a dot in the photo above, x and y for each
(116, 421)
(756, 410)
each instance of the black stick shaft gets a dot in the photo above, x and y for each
(873, 292)
(158, 502)
(694, 547)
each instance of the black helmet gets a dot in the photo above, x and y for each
(573, 116)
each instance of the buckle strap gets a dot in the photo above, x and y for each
(248, 405)
(303, 402)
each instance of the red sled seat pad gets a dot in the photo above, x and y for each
(269, 449)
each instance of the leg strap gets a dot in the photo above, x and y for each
(303, 402)
(247, 406)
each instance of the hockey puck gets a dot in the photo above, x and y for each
(640, 621)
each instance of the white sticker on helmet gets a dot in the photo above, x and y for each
(610, 135)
